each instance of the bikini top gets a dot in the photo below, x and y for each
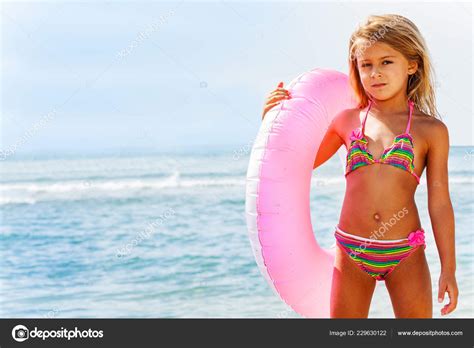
(400, 154)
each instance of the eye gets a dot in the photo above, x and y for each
(365, 64)
(387, 61)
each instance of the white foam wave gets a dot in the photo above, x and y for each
(16, 200)
(31, 192)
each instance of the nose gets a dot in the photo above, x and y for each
(375, 73)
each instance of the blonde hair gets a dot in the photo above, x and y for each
(402, 35)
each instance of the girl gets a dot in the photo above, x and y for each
(390, 138)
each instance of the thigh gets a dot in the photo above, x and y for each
(352, 288)
(409, 286)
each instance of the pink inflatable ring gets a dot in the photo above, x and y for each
(278, 191)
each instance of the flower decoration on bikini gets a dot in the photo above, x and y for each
(416, 238)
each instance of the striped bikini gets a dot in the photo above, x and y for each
(378, 258)
(400, 154)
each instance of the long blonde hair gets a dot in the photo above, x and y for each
(402, 35)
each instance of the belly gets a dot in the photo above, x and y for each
(376, 208)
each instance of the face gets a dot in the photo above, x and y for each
(384, 71)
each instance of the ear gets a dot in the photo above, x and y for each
(412, 67)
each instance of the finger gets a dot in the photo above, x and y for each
(441, 291)
(280, 84)
(448, 308)
(277, 95)
(280, 91)
(269, 106)
(453, 299)
(277, 98)
(274, 101)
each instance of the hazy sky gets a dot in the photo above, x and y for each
(94, 76)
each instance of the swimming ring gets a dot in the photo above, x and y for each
(278, 186)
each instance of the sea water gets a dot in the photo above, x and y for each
(164, 236)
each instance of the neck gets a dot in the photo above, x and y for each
(397, 104)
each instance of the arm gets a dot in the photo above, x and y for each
(330, 143)
(441, 212)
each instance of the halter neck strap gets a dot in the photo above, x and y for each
(365, 118)
(410, 104)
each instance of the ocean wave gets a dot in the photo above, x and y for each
(33, 192)
(114, 185)
(16, 200)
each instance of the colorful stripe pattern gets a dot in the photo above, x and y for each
(400, 154)
(379, 258)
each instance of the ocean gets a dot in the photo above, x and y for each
(164, 236)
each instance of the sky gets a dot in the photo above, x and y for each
(90, 77)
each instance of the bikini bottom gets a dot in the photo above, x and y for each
(379, 258)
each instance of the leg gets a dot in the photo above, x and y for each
(352, 288)
(409, 286)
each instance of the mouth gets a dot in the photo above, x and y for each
(379, 85)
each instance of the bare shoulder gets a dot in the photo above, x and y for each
(344, 121)
(346, 118)
(430, 128)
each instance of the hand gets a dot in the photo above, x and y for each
(447, 283)
(275, 97)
